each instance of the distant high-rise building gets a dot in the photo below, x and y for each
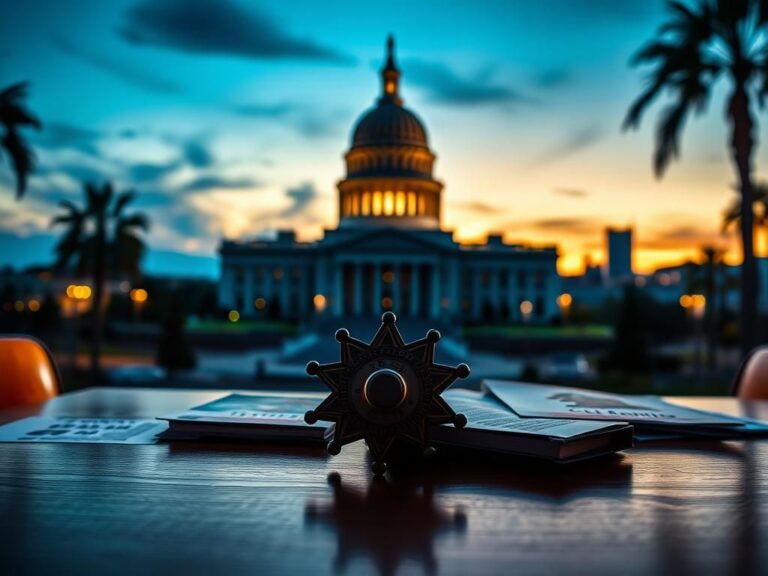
(619, 249)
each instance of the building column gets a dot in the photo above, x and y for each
(377, 288)
(338, 289)
(303, 295)
(247, 292)
(476, 299)
(495, 290)
(454, 285)
(285, 295)
(267, 287)
(397, 305)
(415, 293)
(226, 288)
(434, 304)
(358, 289)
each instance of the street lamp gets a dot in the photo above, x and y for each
(139, 297)
(564, 302)
(695, 306)
(75, 303)
(526, 309)
(320, 302)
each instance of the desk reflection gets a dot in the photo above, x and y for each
(387, 522)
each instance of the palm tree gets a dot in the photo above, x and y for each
(103, 240)
(732, 214)
(712, 263)
(697, 46)
(13, 115)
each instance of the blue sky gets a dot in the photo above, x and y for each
(230, 119)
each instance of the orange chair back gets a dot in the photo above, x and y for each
(28, 374)
(752, 381)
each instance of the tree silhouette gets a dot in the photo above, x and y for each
(697, 46)
(174, 351)
(712, 264)
(102, 240)
(13, 115)
(629, 351)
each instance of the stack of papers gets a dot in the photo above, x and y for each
(651, 416)
(266, 416)
(493, 427)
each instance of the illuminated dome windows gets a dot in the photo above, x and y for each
(390, 203)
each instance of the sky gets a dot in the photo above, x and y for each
(230, 118)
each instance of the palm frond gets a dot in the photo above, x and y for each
(12, 111)
(731, 215)
(126, 251)
(133, 221)
(70, 207)
(681, 68)
(123, 199)
(22, 158)
(668, 136)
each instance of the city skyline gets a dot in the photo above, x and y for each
(525, 121)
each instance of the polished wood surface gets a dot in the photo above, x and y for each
(205, 508)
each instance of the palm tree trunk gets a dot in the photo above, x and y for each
(742, 146)
(99, 278)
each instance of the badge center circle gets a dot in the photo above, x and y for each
(387, 386)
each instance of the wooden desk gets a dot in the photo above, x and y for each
(193, 508)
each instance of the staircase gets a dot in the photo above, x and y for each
(320, 344)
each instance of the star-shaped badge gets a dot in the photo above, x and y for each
(385, 390)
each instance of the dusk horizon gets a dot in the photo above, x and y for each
(246, 138)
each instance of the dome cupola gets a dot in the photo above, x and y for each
(389, 164)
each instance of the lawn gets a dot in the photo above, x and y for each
(519, 331)
(242, 327)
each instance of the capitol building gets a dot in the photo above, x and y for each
(389, 251)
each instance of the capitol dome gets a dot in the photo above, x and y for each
(389, 124)
(389, 164)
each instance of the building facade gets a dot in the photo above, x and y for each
(389, 251)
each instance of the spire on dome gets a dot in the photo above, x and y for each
(390, 76)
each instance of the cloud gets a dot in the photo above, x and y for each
(187, 221)
(477, 207)
(217, 182)
(574, 142)
(216, 27)
(75, 171)
(553, 78)
(571, 192)
(197, 154)
(316, 125)
(155, 199)
(443, 85)
(301, 197)
(572, 225)
(308, 122)
(144, 172)
(277, 110)
(135, 75)
(58, 135)
(681, 236)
